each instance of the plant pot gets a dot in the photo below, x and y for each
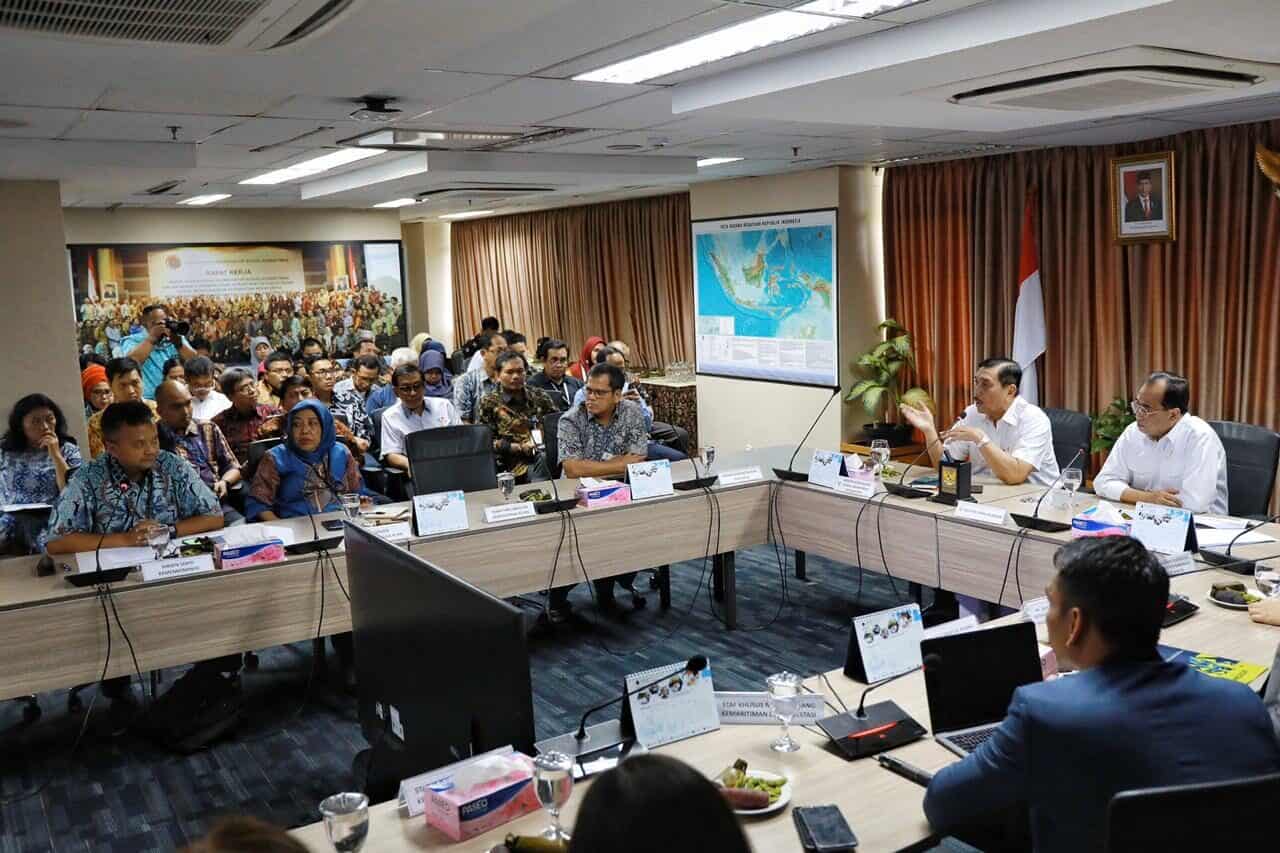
(897, 435)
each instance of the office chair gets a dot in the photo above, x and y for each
(394, 482)
(1072, 432)
(1252, 455)
(445, 459)
(1185, 818)
(257, 450)
(551, 442)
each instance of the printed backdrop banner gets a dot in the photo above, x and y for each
(224, 271)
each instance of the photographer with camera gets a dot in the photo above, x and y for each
(160, 340)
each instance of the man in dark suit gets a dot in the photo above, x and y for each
(1144, 207)
(1127, 719)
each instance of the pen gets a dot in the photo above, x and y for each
(907, 771)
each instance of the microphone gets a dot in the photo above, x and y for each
(1222, 559)
(789, 475)
(1044, 525)
(696, 664)
(861, 713)
(899, 489)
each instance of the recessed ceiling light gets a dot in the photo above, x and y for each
(397, 202)
(773, 28)
(200, 200)
(314, 166)
(716, 161)
(425, 139)
(624, 147)
(466, 214)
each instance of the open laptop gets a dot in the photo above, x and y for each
(970, 679)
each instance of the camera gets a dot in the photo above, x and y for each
(178, 327)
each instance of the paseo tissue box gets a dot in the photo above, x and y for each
(256, 554)
(1100, 520)
(603, 494)
(464, 810)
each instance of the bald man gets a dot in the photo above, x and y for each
(200, 443)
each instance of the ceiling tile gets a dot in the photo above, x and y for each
(144, 127)
(38, 123)
(178, 100)
(273, 131)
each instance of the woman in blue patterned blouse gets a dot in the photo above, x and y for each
(37, 457)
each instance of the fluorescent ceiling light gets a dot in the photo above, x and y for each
(717, 161)
(426, 139)
(314, 166)
(467, 214)
(198, 200)
(398, 202)
(773, 28)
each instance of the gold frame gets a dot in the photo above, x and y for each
(1156, 159)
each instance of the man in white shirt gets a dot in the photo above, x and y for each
(413, 411)
(1001, 433)
(206, 400)
(1166, 456)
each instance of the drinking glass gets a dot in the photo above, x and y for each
(784, 690)
(351, 506)
(880, 454)
(1268, 580)
(1071, 480)
(158, 539)
(709, 457)
(346, 820)
(553, 782)
(507, 483)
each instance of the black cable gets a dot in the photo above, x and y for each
(880, 538)
(1008, 563)
(1017, 564)
(857, 546)
(142, 682)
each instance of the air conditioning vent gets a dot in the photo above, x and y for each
(208, 22)
(318, 19)
(1104, 88)
(481, 192)
(162, 189)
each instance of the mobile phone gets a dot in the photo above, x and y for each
(823, 829)
(332, 524)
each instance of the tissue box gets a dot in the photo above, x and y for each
(463, 814)
(269, 551)
(1085, 524)
(606, 495)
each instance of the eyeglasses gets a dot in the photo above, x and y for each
(247, 388)
(1142, 410)
(415, 388)
(598, 392)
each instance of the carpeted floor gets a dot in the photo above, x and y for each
(123, 794)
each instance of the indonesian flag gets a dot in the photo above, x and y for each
(1028, 317)
(92, 281)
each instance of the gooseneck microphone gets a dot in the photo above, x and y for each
(696, 664)
(1034, 521)
(861, 713)
(1223, 560)
(788, 474)
(900, 489)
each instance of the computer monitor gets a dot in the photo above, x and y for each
(450, 659)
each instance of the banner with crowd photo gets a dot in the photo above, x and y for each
(232, 294)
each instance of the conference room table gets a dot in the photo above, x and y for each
(55, 634)
(884, 810)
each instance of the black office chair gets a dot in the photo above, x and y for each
(394, 482)
(551, 441)
(257, 450)
(458, 363)
(448, 458)
(1252, 455)
(1227, 815)
(1072, 432)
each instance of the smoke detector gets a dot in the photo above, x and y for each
(376, 110)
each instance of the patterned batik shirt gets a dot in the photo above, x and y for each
(582, 436)
(469, 391)
(509, 417)
(349, 405)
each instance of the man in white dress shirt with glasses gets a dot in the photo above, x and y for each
(1166, 456)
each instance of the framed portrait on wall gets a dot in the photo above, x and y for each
(1142, 197)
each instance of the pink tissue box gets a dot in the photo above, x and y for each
(1084, 525)
(270, 551)
(611, 495)
(466, 814)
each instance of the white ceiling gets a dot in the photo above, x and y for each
(97, 115)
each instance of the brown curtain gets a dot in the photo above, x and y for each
(927, 230)
(1206, 305)
(619, 270)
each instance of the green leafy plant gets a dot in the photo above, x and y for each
(1109, 423)
(883, 365)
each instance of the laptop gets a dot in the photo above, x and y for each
(970, 679)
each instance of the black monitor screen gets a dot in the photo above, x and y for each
(971, 677)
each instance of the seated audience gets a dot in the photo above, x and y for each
(619, 809)
(587, 359)
(310, 348)
(246, 835)
(385, 395)
(277, 368)
(259, 349)
(654, 450)
(1167, 456)
(366, 343)
(512, 413)
(153, 346)
(361, 382)
(294, 390)
(1001, 432)
(516, 341)
(206, 400)
(435, 373)
(665, 435)
(200, 443)
(474, 384)
(307, 473)
(241, 423)
(125, 379)
(1127, 719)
(95, 388)
(412, 412)
(348, 408)
(37, 458)
(554, 378)
(173, 369)
(489, 325)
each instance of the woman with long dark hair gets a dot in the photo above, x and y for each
(37, 457)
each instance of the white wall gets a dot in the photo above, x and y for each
(227, 225)
(439, 279)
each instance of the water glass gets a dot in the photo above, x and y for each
(158, 539)
(507, 483)
(346, 820)
(784, 691)
(880, 454)
(1268, 580)
(709, 457)
(351, 506)
(1071, 480)
(553, 783)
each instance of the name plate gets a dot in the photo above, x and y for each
(177, 567)
(508, 512)
(824, 469)
(982, 513)
(860, 486)
(1180, 563)
(443, 512)
(738, 476)
(399, 532)
(1161, 528)
(756, 709)
(650, 479)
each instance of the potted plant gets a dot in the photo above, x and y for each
(880, 392)
(1109, 423)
